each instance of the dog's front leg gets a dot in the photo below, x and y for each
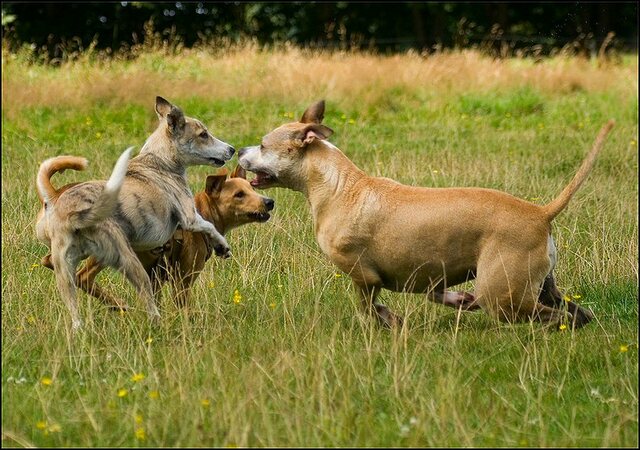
(199, 225)
(368, 295)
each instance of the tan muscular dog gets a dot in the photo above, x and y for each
(226, 202)
(137, 209)
(417, 239)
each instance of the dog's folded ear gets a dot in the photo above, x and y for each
(215, 182)
(239, 172)
(171, 113)
(314, 113)
(312, 132)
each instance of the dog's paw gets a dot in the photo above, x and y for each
(388, 319)
(119, 307)
(581, 317)
(222, 250)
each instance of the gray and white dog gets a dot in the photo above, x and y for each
(137, 209)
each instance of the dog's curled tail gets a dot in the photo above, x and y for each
(554, 208)
(108, 198)
(46, 191)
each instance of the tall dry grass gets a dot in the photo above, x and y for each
(294, 75)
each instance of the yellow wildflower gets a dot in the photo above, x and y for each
(140, 434)
(211, 284)
(137, 377)
(563, 327)
(272, 305)
(154, 394)
(41, 425)
(205, 403)
(46, 381)
(351, 121)
(122, 392)
(566, 298)
(237, 297)
(338, 275)
(98, 135)
(149, 340)
(624, 348)
(577, 296)
(138, 418)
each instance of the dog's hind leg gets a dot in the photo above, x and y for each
(508, 289)
(456, 299)
(85, 279)
(551, 296)
(134, 271)
(64, 263)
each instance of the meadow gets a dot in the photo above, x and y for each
(274, 349)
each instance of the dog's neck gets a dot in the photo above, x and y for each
(329, 175)
(210, 212)
(163, 153)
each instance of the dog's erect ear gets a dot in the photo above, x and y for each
(312, 132)
(239, 172)
(215, 183)
(171, 113)
(314, 113)
(163, 107)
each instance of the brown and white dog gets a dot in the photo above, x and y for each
(136, 210)
(418, 239)
(227, 202)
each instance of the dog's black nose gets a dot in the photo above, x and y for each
(231, 150)
(269, 203)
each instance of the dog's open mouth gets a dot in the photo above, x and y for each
(262, 180)
(259, 216)
(217, 162)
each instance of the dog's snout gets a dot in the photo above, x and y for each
(231, 150)
(269, 203)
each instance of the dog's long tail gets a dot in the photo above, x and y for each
(46, 191)
(560, 202)
(107, 200)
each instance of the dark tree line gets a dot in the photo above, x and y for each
(382, 26)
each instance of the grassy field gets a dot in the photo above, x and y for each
(274, 350)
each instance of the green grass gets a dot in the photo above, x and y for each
(295, 362)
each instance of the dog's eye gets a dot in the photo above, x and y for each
(204, 135)
(239, 194)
